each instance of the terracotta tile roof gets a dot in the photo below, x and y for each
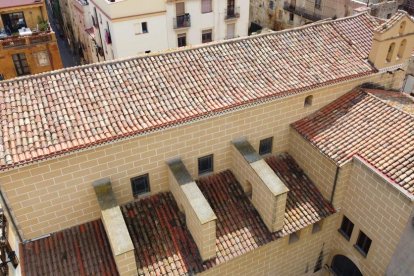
(163, 244)
(239, 227)
(392, 21)
(50, 114)
(80, 250)
(361, 123)
(348, 27)
(305, 204)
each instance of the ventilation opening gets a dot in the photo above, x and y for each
(308, 101)
(390, 52)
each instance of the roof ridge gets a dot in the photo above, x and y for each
(370, 93)
(171, 51)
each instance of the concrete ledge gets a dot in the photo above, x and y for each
(269, 178)
(117, 231)
(198, 202)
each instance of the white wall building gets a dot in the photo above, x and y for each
(132, 27)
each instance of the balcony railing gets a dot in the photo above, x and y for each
(232, 12)
(182, 21)
(21, 41)
(314, 14)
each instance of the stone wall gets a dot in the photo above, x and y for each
(377, 209)
(56, 194)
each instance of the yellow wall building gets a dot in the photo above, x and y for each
(234, 158)
(27, 44)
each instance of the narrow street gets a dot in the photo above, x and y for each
(68, 58)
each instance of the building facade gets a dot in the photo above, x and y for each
(279, 15)
(27, 44)
(231, 158)
(118, 29)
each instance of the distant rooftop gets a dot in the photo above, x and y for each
(375, 124)
(51, 114)
(17, 3)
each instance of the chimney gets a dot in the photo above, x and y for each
(269, 193)
(115, 228)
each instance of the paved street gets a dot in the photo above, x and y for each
(68, 58)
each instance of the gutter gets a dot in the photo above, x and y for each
(334, 184)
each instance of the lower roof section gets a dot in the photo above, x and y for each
(80, 250)
(163, 244)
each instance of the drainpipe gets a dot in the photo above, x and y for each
(334, 184)
(10, 216)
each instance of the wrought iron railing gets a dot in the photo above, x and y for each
(182, 21)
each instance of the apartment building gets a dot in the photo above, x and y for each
(118, 29)
(27, 43)
(231, 158)
(279, 15)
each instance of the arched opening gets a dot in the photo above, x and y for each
(308, 101)
(402, 28)
(343, 266)
(401, 50)
(390, 52)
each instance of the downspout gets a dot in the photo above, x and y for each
(334, 184)
(10, 216)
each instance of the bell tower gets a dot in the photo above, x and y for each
(393, 42)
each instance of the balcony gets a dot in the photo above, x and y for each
(314, 14)
(182, 21)
(22, 41)
(232, 12)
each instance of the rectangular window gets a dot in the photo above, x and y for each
(205, 164)
(271, 5)
(179, 9)
(346, 228)
(207, 36)
(291, 16)
(318, 4)
(181, 40)
(12, 22)
(266, 146)
(21, 65)
(363, 244)
(144, 27)
(206, 6)
(140, 185)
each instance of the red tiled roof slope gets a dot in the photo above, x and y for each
(239, 227)
(305, 204)
(163, 244)
(348, 27)
(361, 123)
(392, 21)
(80, 250)
(55, 113)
